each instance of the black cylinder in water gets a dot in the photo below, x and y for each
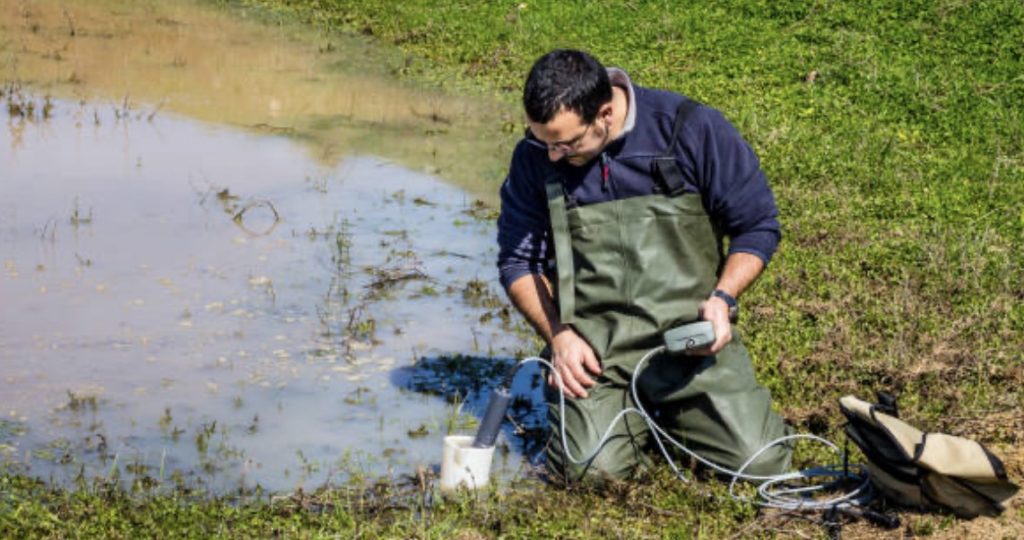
(491, 424)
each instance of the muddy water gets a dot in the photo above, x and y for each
(241, 274)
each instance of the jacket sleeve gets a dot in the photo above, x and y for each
(524, 224)
(733, 186)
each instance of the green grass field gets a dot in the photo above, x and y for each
(893, 135)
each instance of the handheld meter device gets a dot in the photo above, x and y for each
(689, 337)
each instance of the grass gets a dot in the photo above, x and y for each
(382, 508)
(893, 135)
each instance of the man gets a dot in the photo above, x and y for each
(629, 192)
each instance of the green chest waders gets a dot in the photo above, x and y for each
(627, 271)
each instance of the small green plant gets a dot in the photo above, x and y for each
(319, 183)
(203, 434)
(78, 217)
(455, 421)
(78, 403)
(166, 420)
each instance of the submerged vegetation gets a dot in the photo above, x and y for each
(894, 139)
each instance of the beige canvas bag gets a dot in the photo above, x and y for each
(928, 471)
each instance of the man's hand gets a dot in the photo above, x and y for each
(741, 269)
(570, 354)
(715, 309)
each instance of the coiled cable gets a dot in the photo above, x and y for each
(774, 490)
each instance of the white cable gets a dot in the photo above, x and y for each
(771, 496)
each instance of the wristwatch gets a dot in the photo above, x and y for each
(730, 300)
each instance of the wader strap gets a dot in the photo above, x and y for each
(665, 168)
(563, 248)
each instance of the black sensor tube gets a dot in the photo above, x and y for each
(491, 424)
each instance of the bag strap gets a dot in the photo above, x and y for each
(887, 403)
(563, 248)
(665, 168)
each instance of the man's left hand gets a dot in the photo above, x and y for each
(716, 311)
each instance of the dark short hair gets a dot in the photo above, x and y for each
(566, 78)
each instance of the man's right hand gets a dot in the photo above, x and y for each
(573, 357)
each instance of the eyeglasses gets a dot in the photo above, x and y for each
(567, 147)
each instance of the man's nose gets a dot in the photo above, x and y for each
(554, 154)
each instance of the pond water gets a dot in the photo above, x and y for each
(232, 257)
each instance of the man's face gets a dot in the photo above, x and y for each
(568, 137)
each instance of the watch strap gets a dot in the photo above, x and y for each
(730, 300)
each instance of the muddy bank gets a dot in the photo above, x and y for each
(336, 94)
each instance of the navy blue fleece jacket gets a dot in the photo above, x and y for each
(714, 159)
